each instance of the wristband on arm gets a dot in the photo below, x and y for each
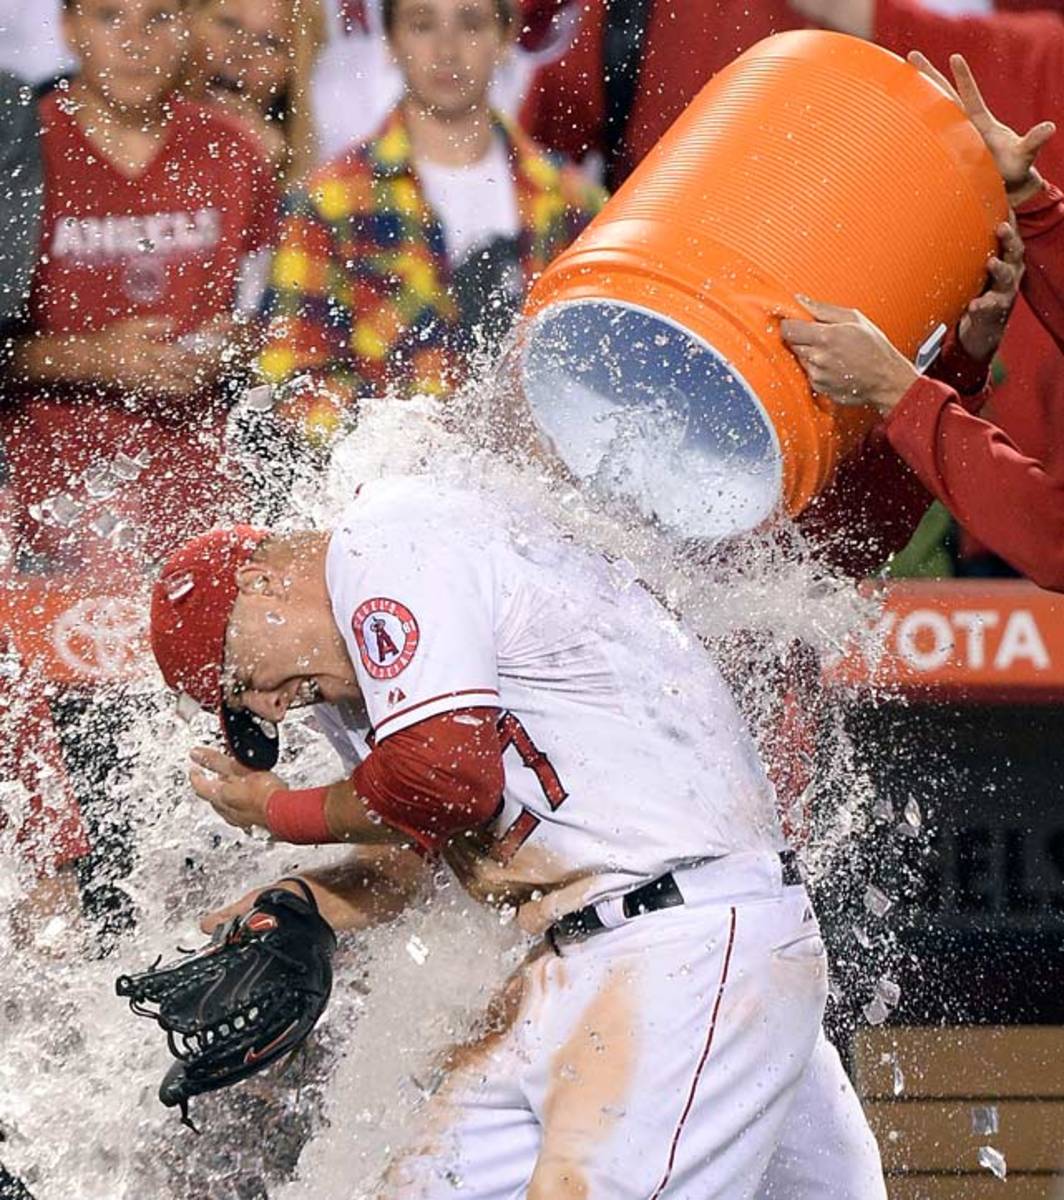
(299, 817)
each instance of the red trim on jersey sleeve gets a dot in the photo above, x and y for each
(440, 777)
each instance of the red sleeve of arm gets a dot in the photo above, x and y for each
(869, 511)
(1041, 225)
(1007, 500)
(437, 778)
(957, 369)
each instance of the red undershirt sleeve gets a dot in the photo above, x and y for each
(1041, 225)
(438, 778)
(1004, 498)
(956, 368)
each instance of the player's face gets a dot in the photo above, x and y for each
(448, 51)
(242, 46)
(282, 652)
(130, 51)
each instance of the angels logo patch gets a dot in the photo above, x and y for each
(387, 636)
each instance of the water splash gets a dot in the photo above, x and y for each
(78, 1075)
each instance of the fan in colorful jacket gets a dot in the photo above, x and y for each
(361, 301)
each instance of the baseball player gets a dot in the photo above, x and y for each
(529, 713)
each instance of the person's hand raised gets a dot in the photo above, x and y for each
(235, 792)
(1014, 154)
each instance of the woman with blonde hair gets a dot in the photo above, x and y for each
(257, 57)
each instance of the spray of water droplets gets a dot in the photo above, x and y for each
(78, 1074)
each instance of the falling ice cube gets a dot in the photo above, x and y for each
(104, 524)
(905, 830)
(179, 585)
(862, 938)
(898, 1078)
(126, 468)
(877, 902)
(883, 809)
(888, 991)
(259, 399)
(125, 536)
(418, 951)
(52, 934)
(99, 482)
(185, 707)
(984, 1120)
(875, 1011)
(61, 509)
(913, 815)
(10, 663)
(65, 510)
(431, 1085)
(993, 1160)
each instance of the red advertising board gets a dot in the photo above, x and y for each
(75, 632)
(994, 640)
(980, 640)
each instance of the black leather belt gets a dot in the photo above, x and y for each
(663, 892)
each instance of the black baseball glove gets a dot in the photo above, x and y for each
(252, 994)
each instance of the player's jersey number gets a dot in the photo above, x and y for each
(513, 733)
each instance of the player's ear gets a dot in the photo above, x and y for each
(258, 579)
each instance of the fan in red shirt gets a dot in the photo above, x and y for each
(155, 209)
(114, 397)
(1014, 503)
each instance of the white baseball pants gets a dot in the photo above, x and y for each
(677, 1056)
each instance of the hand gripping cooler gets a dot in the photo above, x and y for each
(650, 355)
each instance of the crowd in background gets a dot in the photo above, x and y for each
(346, 198)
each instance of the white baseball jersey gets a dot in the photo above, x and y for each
(624, 754)
(676, 1055)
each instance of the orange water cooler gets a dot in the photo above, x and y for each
(650, 355)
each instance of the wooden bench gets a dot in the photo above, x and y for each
(929, 1135)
